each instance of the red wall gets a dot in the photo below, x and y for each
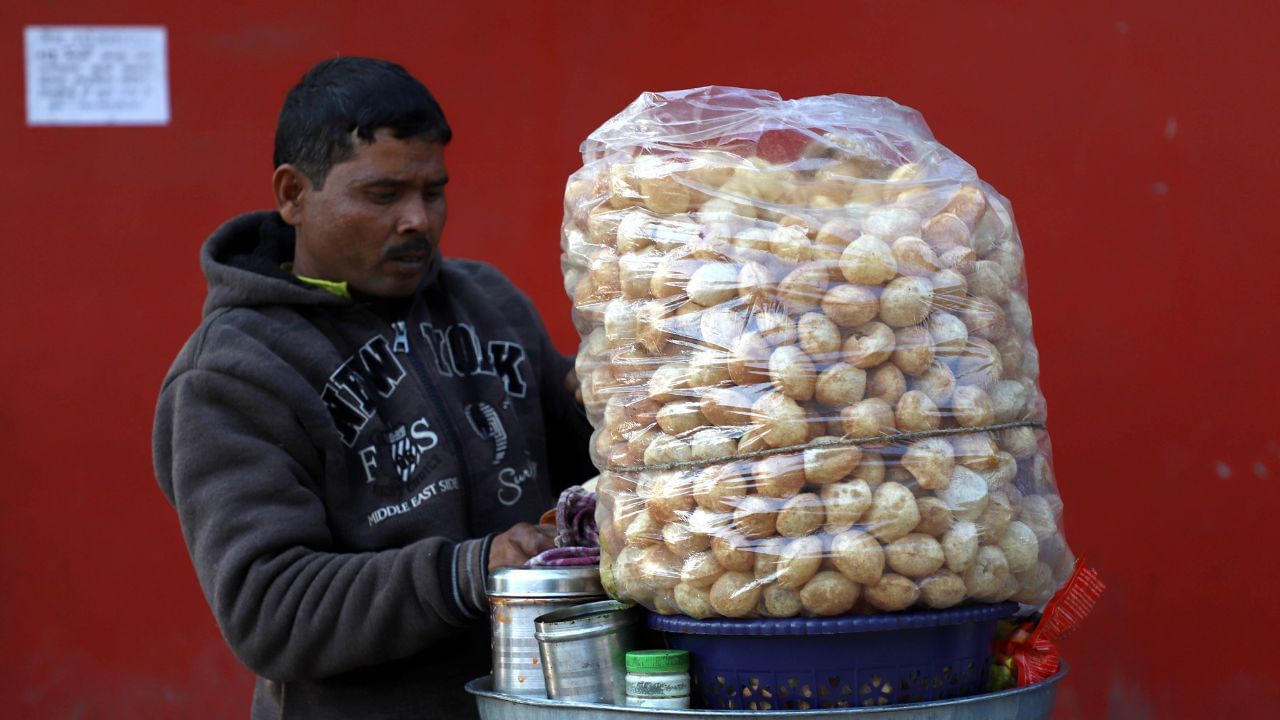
(1136, 140)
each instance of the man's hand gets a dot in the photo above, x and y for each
(572, 384)
(513, 547)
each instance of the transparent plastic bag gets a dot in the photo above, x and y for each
(806, 352)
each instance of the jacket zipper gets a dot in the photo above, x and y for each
(424, 376)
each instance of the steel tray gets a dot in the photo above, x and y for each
(1034, 702)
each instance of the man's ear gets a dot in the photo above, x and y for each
(291, 187)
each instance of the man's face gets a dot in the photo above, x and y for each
(378, 219)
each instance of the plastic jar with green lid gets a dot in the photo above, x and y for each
(658, 678)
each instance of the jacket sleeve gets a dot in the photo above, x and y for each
(239, 467)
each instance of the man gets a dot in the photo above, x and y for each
(360, 430)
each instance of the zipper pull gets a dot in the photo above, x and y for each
(401, 342)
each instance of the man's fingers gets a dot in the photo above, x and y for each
(519, 543)
(534, 541)
(571, 381)
(529, 539)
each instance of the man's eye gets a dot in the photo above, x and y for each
(383, 197)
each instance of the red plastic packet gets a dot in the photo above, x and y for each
(1034, 649)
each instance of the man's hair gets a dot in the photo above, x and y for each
(349, 96)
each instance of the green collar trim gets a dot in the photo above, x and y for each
(338, 288)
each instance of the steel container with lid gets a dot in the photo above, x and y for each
(516, 597)
(584, 650)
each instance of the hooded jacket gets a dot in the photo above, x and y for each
(339, 468)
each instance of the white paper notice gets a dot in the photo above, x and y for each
(96, 75)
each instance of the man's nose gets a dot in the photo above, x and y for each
(414, 218)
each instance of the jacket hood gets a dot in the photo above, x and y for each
(242, 263)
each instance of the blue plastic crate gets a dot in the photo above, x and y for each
(817, 663)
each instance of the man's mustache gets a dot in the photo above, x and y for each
(419, 245)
